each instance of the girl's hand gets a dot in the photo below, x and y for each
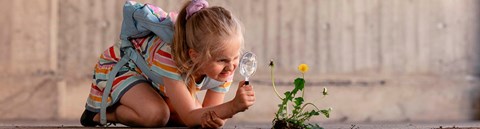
(244, 98)
(210, 119)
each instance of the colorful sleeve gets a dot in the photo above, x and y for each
(163, 64)
(225, 87)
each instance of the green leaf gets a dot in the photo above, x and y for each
(294, 112)
(314, 113)
(288, 96)
(326, 112)
(298, 101)
(287, 93)
(299, 85)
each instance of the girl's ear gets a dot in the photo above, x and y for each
(193, 54)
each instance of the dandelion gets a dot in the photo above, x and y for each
(303, 68)
(325, 92)
(298, 116)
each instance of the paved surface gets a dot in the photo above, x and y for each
(28, 124)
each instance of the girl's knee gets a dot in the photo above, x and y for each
(156, 117)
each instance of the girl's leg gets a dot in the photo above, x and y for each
(141, 106)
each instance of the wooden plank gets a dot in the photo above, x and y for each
(108, 25)
(336, 36)
(471, 37)
(323, 36)
(91, 30)
(53, 54)
(342, 33)
(6, 36)
(439, 53)
(424, 37)
(272, 24)
(411, 35)
(95, 25)
(257, 31)
(73, 30)
(360, 9)
(347, 37)
(298, 44)
(447, 27)
(310, 31)
(454, 29)
(366, 38)
(392, 36)
(30, 43)
(245, 11)
(117, 21)
(285, 35)
(372, 37)
(437, 30)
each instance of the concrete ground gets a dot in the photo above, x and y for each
(29, 124)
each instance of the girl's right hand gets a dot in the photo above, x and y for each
(211, 120)
(244, 98)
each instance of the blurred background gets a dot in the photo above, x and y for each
(381, 60)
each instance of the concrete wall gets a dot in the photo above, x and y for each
(395, 60)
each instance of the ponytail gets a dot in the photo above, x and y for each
(180, 49)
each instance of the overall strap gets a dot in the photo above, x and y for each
(129, 54)
(106, 91)
(141, 63)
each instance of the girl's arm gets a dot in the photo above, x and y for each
(213, 98)
(185, 105)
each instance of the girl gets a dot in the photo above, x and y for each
(206, 46)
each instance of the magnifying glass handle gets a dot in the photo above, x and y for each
(247, 81)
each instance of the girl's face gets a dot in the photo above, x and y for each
(224, 63)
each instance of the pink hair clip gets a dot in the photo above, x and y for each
(195, 6)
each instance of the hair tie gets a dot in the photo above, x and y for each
(195, 6)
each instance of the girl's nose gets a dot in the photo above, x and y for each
(229, 67)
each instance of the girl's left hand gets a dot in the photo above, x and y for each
(211, 120)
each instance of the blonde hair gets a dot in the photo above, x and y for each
(207, 32)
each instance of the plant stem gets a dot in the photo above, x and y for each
(286, 107)
(301, 110)
(303, 90)
(273, 83)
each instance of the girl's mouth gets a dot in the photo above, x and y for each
(225, 74)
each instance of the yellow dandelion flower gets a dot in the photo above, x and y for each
(303, 68)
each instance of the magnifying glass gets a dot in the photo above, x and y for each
(248, 65)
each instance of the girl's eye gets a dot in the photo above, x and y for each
(222, 60)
